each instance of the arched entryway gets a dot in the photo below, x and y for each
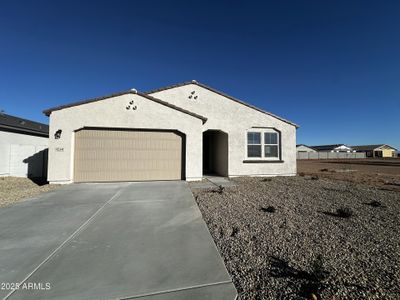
(215, 153)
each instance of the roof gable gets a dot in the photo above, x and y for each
(47, 112)
(222, 94)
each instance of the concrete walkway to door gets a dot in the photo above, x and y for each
(111, 241)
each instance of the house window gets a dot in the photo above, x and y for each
(271, 146)
(253, 144)
(263, 143)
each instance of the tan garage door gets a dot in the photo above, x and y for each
(122, 155)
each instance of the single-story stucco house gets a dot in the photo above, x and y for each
(380, 150)
(184, 131)
(333, 148)
(23, 147)
(304, 149)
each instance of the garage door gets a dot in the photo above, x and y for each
(123, 155)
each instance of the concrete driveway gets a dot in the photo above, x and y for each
(110, 241)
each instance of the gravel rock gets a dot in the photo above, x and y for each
(13, 189)
(301, 249)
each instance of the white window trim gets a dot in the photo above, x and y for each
(277, 144)
(262, 131)
(261, 144)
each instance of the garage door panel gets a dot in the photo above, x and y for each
(116, 155)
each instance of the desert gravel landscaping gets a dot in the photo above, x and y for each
(382, 173)
(13, 189)
(303, 237)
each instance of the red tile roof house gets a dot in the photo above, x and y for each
(184, 131)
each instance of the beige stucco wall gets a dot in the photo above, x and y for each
(112, 112)
(236, 119)
(16, 149)
(387, 153)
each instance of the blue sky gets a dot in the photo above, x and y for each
(333, 67)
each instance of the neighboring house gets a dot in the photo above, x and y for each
(381, 150)
(304, 149)
(183, 131)
(23, 145)
(333, 148)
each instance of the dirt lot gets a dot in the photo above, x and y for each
(291, 237)
(13, 189)
(381, 173)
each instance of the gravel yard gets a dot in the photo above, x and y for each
(284, 238)
(381, 173)
(13, 189)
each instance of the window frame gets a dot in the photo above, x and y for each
(260, 144)
(277, 145)
(262, 131)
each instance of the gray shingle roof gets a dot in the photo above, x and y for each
(327, 147)
(12, 123)
(299, 145)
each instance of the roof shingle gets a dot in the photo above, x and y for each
(8, 122)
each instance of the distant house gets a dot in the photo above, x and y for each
(333, 148)
(304, 149)
(23, 147)
(380, 150)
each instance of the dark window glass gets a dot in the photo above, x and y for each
(271, 151)
(253, 138)
(270, 138)
(254, 151)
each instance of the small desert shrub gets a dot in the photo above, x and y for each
(318, 271)
(324, 170)
(314, 177)
(306, 284)
(267, 179)
(221, 189)
(233, 231)
(375, 203)
(344, 212)
(315, 282)
(302, 174)
(269, 209)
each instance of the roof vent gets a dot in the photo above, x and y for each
(134, 91)
(194, 81)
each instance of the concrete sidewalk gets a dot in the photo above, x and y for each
(112, 241)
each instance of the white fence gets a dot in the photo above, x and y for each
(329, 155)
